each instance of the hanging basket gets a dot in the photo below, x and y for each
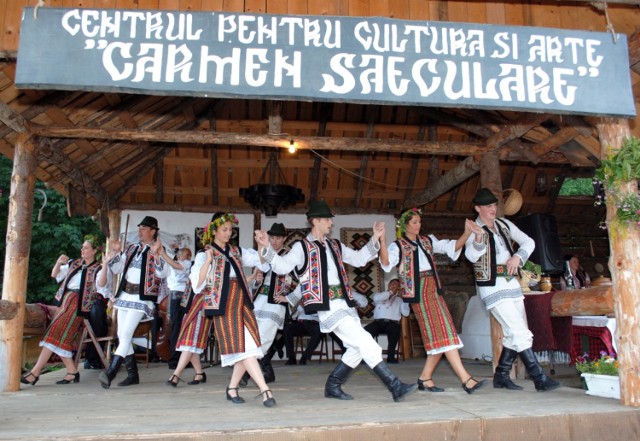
(512, 201)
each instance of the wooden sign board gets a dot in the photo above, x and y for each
(324, 58)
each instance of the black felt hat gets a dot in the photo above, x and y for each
(319, 209)
(277, 230)
(150, 222)
(484, 196)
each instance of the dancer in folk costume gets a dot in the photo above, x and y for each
(412, 254)
(270, 302)
(319, 263)
(143, 283)
(83, 280)
(495, 265)
(221, 296)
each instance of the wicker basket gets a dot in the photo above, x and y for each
(512, 201)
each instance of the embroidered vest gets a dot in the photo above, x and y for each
(149, 282)
(484, 269)
(409, 267)
(216, 290)
(313, 275)
(280, 284)
(87, 292)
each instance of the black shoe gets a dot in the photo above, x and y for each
(75, 379)
(237, 399)
(303, 361)
(479, 385)
(291, 362)
(269, 401)
(173, 381)
(339, 376)
(24, 380)
(203, 378)
(433, 388)
(392, 361)
(172, 365)
(244, 380)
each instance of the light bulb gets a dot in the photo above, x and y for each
(292, 146)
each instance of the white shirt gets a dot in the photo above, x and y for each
(389, 307)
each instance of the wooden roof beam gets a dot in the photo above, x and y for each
(460, 173)
(48, 153)
(515, 129)
(516, 151)
(248, 139)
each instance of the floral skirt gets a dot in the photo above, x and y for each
(61, 337)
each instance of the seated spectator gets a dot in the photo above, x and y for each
(389, 309)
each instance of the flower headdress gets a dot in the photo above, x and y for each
(96, 243)
(211, 227)
(401, 224)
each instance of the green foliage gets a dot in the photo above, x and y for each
(577, 187)
(532, 267)
(621, 167)
(624, 165)
(55, 234)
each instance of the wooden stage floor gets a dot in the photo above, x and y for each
(152, 410)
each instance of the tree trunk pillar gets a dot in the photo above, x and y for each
(16, 263)
(624, 265)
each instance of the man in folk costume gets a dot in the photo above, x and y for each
(495, 267)
(319, 263)
(268, 304)
(143, 270)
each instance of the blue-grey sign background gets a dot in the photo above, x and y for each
(324, 58)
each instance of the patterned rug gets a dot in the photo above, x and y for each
(370, 278)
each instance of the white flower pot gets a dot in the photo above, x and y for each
(607, 386)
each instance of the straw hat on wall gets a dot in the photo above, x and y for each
(512, 201)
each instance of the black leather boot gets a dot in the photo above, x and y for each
(501, 378)
(267, 371)
(132, 371)
(397, 388)
(534, 369)
(336, 379)
(107, 376)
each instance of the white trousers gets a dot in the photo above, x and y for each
(128, 321)
(359, 344)
(513, 319)
(268, 330)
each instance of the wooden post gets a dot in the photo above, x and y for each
(16, 262)
(624, 264)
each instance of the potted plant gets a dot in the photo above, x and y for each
(600, 375)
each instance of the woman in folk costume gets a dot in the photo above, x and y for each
(412, 254)
(78, 291)
(221, 292)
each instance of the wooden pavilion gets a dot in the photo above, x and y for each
(108, 150)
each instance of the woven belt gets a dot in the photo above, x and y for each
(427, 273)
(335, 292)
(502, 271)
(132, 288)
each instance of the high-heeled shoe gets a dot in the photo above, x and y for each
(24, 380)
(479, 385)
(270, 401)
(433, 388)
(203, 378)
(76, 378)
(172, 383)
(237, 399)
